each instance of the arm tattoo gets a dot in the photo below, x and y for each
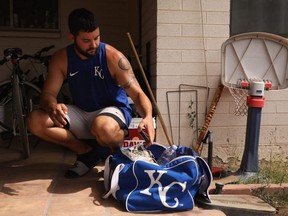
(124, 64)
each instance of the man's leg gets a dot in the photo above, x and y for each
(109, 127)
(39, 124)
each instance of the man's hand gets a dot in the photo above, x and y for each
(58, 113)
(147, 125)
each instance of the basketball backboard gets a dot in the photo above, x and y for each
(255, 56)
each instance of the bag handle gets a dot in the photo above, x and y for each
(114, 181)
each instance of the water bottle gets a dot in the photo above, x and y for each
(167, 155)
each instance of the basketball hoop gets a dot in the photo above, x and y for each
(240, 98)
(252, 63)
(253, 56)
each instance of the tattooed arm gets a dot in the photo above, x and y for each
(123, 74)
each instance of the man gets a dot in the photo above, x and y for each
(100, 78)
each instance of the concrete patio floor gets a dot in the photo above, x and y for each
(36, 186)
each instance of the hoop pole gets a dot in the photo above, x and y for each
(208, 118)
(149, 89)
(255, 103)
(250, 161)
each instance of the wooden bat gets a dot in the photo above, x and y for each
(208, 118)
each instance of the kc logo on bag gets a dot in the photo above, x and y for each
(143, 186)
(162, 190)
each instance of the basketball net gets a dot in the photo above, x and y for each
(240, 98)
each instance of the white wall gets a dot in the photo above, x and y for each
(189, 37)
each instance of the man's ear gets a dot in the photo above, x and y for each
(71, 37)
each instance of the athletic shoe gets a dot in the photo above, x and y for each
(84, 163)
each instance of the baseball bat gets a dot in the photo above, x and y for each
(208, 118)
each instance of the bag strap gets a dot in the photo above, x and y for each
(107, 171)
(206, 178)
(114, 181)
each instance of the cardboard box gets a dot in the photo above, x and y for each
(134, 137)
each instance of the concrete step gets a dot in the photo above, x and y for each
(238, 205)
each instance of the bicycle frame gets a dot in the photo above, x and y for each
(21, 104)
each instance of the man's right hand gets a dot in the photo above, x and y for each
(57, 114)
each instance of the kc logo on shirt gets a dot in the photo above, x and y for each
(98, 72)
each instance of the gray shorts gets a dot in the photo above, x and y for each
(80, 121)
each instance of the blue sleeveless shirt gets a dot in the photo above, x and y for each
(91, 84)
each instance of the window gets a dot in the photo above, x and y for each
(259, 16)
(29, 15)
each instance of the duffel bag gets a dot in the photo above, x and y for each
(133, 177)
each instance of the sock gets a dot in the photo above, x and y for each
(89, 158)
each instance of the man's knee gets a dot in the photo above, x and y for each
(34, 121)
(103, 130)
(108, 134)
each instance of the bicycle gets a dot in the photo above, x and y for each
(38, 59)
(18, 97)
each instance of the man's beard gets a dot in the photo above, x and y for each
(85, 53)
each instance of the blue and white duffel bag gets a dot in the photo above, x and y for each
(133, 177)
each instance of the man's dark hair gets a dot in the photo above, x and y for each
(81, 20)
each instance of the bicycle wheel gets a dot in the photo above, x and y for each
(32, 92)
(6, 107)
(26, 97)
(6, 131)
